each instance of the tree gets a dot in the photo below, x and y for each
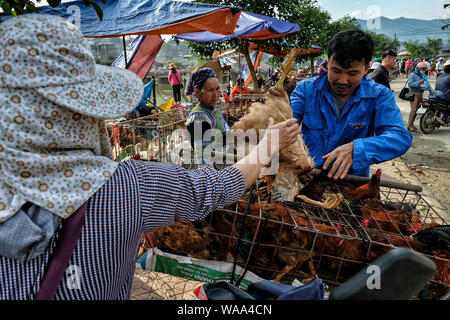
(312, 20)
(383, 43)
(447, 25)
(333, 28)
(434, 45)
(418, 50)
(19, 7)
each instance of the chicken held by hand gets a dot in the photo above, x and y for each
(295, 159)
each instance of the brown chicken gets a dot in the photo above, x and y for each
(368, 190)
(295, 159)
(405, 220)
(296, 238)
(181, 238)
(383, 241)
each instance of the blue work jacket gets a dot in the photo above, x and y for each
(370, 118)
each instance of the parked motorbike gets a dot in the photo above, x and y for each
(437, 115)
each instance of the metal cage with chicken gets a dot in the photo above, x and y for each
(154, 137)
(238, 107)
(303, 241)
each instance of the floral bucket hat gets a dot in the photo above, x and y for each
(50, 54)
(54, 147)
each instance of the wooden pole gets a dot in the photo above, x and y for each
(125, 52)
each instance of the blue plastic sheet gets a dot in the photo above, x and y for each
(248, 24)
(126, 17)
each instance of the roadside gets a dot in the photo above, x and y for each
(427, 162)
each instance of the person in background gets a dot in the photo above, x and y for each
(323, 68)
(403, 69)
(175, 81)
(428, 63)
(261, 82)
(408, 67)
(58, 180)
(440, 66)
(203, 117)
(433, 67)
(348, 121)
(417, 86)
(381, 74)
(373, 66)
(443, 83)
(239, 89)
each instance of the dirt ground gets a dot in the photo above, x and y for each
(426, 164)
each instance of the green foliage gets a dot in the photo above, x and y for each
(315, 25)
(18, 7)
(383, 43)
(446, 26)
(306, 13)
(424, 50)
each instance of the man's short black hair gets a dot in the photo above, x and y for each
(389, 53)
(350, 46)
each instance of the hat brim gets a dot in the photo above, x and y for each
(113, 93)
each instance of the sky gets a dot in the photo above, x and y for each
(364, 9)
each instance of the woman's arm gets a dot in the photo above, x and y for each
(169, 193)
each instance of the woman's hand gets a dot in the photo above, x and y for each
(276, 138)
(280, 135)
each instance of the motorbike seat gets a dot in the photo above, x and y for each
(439, 102)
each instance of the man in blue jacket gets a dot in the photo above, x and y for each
(349, 122)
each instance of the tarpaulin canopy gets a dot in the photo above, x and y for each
(147, 93)
(313, 50)
(134, 17)
(249, 26)
(141, 54)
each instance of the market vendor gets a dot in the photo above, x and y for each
(239, 89)
(71, 218)
(203, 117)
(348, 121)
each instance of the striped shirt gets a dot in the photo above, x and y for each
(137, 199)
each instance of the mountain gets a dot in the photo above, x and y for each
(408, 29)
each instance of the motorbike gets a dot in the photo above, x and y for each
(437, 115)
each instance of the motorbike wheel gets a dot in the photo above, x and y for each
(427, 124)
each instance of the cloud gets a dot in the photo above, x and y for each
(355, 13)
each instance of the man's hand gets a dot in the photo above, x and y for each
(344, 160)
(422, 81)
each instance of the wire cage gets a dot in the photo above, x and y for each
(235, 109)
(153, 137)
(297, 240)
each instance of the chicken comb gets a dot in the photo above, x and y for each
(286, 67)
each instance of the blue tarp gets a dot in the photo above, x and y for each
(248, 24)
(147, 93)
(127, 17)
(132, 49)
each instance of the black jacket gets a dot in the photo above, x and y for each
(381, 76)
